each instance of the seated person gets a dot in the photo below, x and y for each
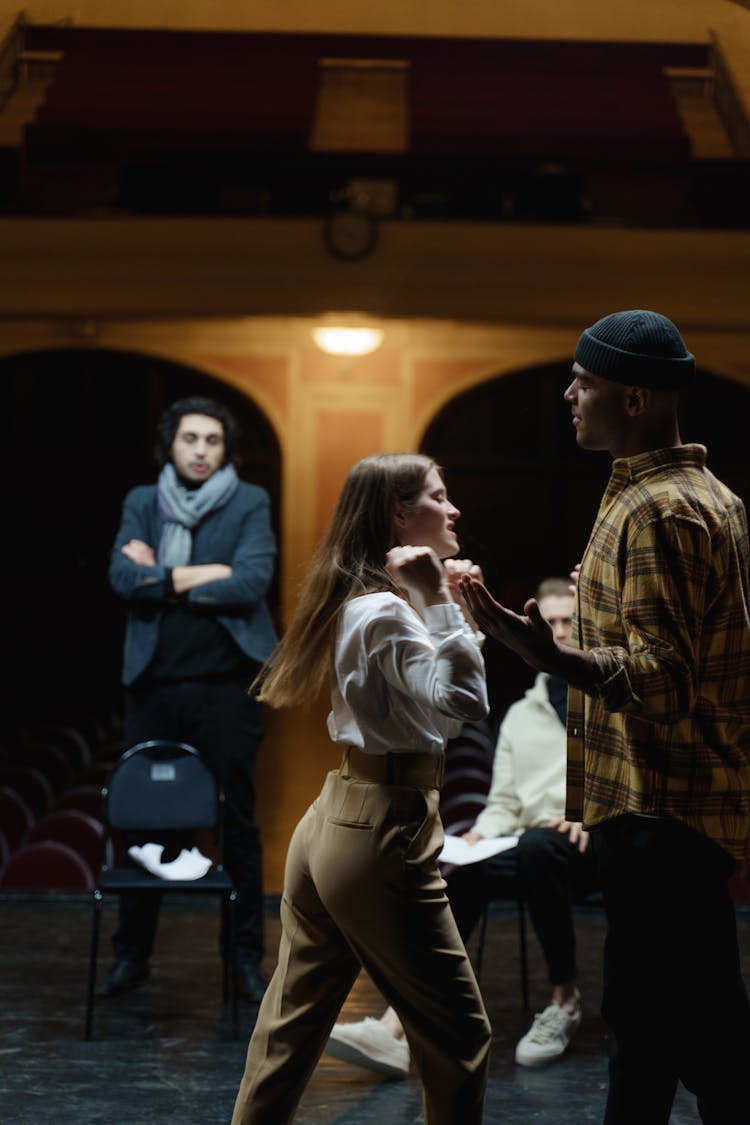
(551, 863)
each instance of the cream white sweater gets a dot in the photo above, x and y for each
(528, 777)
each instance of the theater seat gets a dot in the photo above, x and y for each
(80, 831)
(46, 865)
(16, 817)
(72, 743)
(49, 759)
(85, 798)
(30, 784)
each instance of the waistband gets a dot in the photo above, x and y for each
(425, 771)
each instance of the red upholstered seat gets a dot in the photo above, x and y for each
(459, 813)
(467, 782)
(461, 756)
(16, 818)
(50, 760)
(31, 784)
(67, 738)
(96, 774)
(81, 832)
(86, 798)
(46, 865)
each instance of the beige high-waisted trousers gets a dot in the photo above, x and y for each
(362, 889)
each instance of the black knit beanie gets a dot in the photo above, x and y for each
(638, 347)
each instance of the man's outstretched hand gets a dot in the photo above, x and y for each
(527, 633)
(530, 637)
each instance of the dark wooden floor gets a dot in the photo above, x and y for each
(164, 1053)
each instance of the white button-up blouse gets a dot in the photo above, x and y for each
(404, 681)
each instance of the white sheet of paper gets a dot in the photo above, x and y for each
(457, 851)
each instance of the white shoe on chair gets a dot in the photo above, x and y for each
(367, 1043)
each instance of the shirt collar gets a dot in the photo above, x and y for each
(630, 470)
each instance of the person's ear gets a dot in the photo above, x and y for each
(637, 400)
(399, 523)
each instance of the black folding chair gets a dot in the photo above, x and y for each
(156, 788)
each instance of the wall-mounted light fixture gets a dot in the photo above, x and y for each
(340, 339)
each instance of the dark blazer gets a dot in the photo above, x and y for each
(238, 534)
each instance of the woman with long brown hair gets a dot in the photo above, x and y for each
(380, 618)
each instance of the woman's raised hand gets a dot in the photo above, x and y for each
(420, 571)
(455, 570)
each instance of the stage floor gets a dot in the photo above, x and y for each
(164, 1053)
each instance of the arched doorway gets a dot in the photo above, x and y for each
(83, 422)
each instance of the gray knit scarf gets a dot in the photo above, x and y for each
(183, 508)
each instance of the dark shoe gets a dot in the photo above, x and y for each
(122, 977)
(251, 981)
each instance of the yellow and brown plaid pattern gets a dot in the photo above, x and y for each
(663, 602)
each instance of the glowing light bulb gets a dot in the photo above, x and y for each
(343, 340)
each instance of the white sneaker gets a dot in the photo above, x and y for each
(548, 1037)
(368, 1044)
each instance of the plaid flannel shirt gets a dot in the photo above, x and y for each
(663, 602)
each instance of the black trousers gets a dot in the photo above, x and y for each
(673, 997)
(550, 873)
(225, 725)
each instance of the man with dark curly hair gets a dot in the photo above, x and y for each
(193, 558)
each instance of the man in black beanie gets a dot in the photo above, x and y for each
(658, 725)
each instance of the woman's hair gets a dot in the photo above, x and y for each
(349, 561)
(169, 423)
